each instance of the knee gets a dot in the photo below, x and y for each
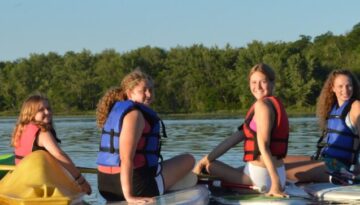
(188, 159)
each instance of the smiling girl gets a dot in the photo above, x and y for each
(34, 131)
(338, 111)
(265, 134)
(130, 164)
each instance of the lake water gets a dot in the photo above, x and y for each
(80, 139)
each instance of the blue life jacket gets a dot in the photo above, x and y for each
(339, 142)
(109, 146)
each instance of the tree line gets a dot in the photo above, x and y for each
(187, 79)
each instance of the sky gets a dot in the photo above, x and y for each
(42, 26)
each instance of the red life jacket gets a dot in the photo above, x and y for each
(279, 134)
(27, 139)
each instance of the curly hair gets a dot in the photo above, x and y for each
(27, 114)
(327, 97)
(118, 94)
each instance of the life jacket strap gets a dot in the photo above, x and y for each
(108, 149)
(320, 145)
(241, 127)
(112, 149)
(111, 132)
(279, 140)
(354, 151)
(345, 134)
(335, 117)
(272, 140)
(163, 129)
(148, 152)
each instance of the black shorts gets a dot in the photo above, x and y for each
(144, 184)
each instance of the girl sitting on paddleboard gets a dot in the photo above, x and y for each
(34, 130)
(265, 133)
(338, 110)
(129, 162)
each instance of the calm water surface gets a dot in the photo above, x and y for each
(80, 139)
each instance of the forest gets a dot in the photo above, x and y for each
(194, 79)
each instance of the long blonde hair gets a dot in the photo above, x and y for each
(327, 97)
(118, 94)
(27, 114)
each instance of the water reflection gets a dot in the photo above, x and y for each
(80, 139)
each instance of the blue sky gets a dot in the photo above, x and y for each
(41, 26)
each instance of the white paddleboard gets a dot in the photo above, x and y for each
(297, 197)
(197, 195)
(331, 192)
(257, 199)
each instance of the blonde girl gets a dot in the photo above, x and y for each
(34, 130)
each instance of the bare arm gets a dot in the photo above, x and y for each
(355, 120)
(133, 125)
(47, 140)
(264, 118)
(225, 145)
(219, 150)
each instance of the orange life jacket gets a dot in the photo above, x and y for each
(279, 134)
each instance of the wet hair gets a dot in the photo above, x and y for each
(27, 114)
(327, 97)
(128, 83)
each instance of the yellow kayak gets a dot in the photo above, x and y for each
(39, 179)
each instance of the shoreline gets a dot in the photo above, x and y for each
(306, 112)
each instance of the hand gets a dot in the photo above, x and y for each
(276, 192)
(201, 165)
(139, 200)
(85, 187)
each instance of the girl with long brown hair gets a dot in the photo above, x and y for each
(129, 161)
(338, 112)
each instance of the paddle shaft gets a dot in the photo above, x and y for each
(82, 169)
(216, 181)
(292, 191)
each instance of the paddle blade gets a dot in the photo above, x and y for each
(6, 159)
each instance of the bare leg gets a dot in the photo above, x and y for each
(303, 169)
(228, 173)
(189, 180)
(231, 175)
(176, 168)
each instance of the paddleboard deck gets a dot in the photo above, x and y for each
(331, 192)
(232, 197)
(258, 199)
(197, 195)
